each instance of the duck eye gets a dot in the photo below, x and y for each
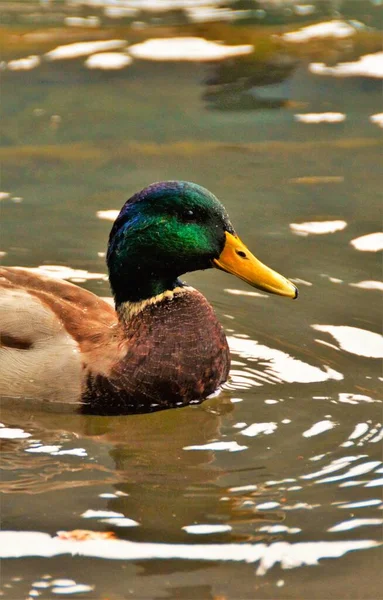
(189, 215)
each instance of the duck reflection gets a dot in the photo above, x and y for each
(249, 83)
(141, 462)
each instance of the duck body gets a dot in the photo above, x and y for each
(162, 345)
(69, 345)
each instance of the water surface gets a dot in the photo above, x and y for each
(271, 489)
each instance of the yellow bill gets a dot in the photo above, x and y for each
(236, 259)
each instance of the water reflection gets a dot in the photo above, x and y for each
(284, 468)
(145, 458)
(249, 82)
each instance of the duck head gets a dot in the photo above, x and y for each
(174, 227)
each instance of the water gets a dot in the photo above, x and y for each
(242, 496)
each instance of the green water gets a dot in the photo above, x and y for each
(269, 459)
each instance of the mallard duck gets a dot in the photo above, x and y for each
(162, 345)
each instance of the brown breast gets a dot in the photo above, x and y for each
(176, 352)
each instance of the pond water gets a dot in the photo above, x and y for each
(272, 488)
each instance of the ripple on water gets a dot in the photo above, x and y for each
(372, 242)
(186, 49)
(276, 366)
(63, 272)
(288, 555)
(79, 49)
(108, 61)
(353, 524)
(327, 117)
(368, 285)
(317, 227)
(355, 340)
(218, 446)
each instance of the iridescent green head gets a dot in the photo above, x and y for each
(167, 229)
(173, 227)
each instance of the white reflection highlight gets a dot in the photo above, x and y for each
(359, 430)
(318, 457)
(79, 588)
(186, 49)
(335, 465)
(235, 292)
(372, 502)
(317, 227)
(368, 285)
(41, 584)
(17, 544)
(335, 28)
(276, 482)
(56, 450)
(300, 506)
(355, 340)
(92, 514)
(375, 483)
(279, 529)
(91, 21)
(62, 272)
(108, 61)
(301, 281)
(361, 469)
(318, 428)
(280, 366)
(12, 433)
(229, 446)
(268, 505)
(83, 49)
(205, 14)
(369, 65)
(377, 119)
(372, 242)
(118, 12)
(243, 488)
(120, 522)
(377, 438)
(350, 483)
(108, 215)
(206, 529)
(355, 398)
(257, 428)
(24, 64)
(327, 117)
(353, 524)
